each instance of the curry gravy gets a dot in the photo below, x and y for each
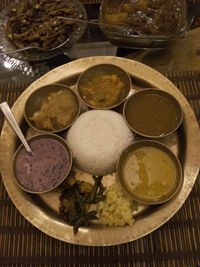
(149, 173)
(152, 114)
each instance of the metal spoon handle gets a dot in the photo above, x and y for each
(97, 23)
(10, 117)
(81, 20)
(17, 50)
(90, 22)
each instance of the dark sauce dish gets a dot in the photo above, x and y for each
(152, 113)
(47, 168)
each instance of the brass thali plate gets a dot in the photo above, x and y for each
(41, 210)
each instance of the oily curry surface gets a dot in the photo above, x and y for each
(149, 173)
(152, 114)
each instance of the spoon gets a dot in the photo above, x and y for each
(10, 117)
(31, 48)
(20, 50)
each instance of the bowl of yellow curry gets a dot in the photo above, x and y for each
(149, 172)
(52, 108)
(104, 86)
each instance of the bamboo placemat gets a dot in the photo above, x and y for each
(175, 244)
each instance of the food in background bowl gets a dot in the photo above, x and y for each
(152, 113)
(145, 17)
(143, 23)
(35, 23)
(149, 172)
(97, 139)
(46, 168)
(52, 108)
(104, 86)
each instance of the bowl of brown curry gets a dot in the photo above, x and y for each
(152, 113)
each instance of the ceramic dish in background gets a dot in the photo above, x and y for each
(149, 172)
(152, 113)
(104, 86)
(46, 168)
(46, 109)
(35, 54)
(126, 39)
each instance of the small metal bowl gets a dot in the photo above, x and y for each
(152, 113)
(27, 166)
(107, 69)
(35, 100)
(134, 177)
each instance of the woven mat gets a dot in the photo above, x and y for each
(175, 244)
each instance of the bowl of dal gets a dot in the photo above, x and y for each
(52, 108)
(149, 172)
(104, 86)
(152, 113)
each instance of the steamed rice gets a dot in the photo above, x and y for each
(97, 140)
(117, 209)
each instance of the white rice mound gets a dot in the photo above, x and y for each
(97, 139)
(117, 209)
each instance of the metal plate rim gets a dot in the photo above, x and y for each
(102, 236)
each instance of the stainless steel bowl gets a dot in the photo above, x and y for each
(145, 197)
(29, 163)
(107, 69)
(148, 120)
(34, 101)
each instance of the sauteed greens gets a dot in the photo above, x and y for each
(76, 198)
(35, 23)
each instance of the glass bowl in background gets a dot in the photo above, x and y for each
(35, 54)
(120, 37)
